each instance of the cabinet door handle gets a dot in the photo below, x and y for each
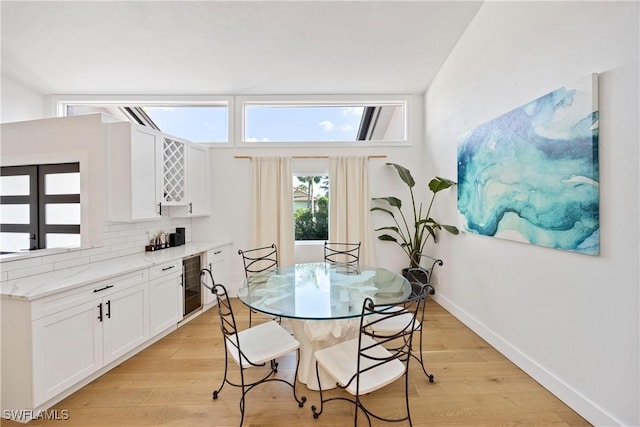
(100, 312)
(168, 268)
(182, 280)
(217, 252)
(109, 309)
(190, 207)
(160, 208)
(102, 289)
(210, 269)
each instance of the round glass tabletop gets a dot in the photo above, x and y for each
(322, 290)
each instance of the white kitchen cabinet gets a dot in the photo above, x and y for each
(218, 262)
(125, 321)
(134, 173)
(165, 296)
(59, 340)
(197, 202)
(68, 347)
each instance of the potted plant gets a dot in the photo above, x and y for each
(412, 233)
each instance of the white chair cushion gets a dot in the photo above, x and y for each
(262, 343)
(340, 361)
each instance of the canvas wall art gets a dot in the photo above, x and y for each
(531, 175)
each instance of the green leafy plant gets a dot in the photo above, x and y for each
(413, 233)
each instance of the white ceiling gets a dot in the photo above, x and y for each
(229, 47)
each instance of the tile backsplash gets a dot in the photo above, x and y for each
(120, 239)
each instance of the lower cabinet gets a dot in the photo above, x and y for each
(125, 321)
(70, 345)
(55, 344)
(218, 262)
(165, 296)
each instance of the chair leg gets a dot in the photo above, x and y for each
(224, 379)
(302, 399)
(421, 360)
(316, 414)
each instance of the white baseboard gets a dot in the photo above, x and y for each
(565, 392)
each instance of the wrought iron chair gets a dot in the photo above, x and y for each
(397, 323)
(371, 361)
(252, 347)
(342, 254)
(259, 263)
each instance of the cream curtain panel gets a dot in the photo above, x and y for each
(349, 215)
(272, 211)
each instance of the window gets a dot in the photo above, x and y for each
(39, 207)
(311, 207)
(197, 121)
(337, 122)
(263, 120)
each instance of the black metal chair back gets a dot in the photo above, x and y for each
(342, 253)
(228, 324)
(259, 260)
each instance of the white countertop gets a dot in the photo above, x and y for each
(42, 285)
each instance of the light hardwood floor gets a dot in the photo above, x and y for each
(170, 384)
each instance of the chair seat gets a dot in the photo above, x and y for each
(340, 361)
(262, 343)
(391, 324)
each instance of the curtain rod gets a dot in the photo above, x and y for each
(374, 156)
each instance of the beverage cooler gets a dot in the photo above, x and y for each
(191, 284)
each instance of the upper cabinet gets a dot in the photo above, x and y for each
(134, 172)
(150, 171)
(197, 183)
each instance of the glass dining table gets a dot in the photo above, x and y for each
(323, 303)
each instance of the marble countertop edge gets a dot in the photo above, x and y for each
(42, 285)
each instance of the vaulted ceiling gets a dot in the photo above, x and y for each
(229, 47)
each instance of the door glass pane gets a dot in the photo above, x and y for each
(14, 214)
(14, 242)
(62, 213)
(62, 183)
(14, 185)
(61, 240)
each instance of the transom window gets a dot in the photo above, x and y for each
(199, 123)
(306, 122)
(260, 120)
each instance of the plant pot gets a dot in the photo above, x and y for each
(416, 275)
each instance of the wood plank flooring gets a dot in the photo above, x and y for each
(170, 384)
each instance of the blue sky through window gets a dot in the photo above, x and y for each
(302, 123)
(197, 124)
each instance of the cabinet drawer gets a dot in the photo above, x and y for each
(98, 289)
(216, 254)
(166, 269)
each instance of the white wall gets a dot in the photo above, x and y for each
(19, 102)
(570, 320)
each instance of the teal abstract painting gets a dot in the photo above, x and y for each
(531, 175)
